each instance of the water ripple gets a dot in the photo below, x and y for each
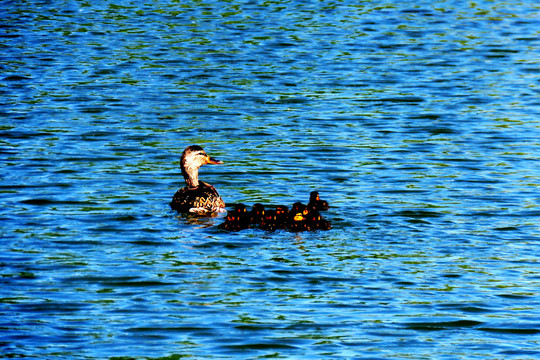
(417, 122)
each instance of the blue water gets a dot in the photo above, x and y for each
(418, 121)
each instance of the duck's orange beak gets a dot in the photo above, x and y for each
(211, 160)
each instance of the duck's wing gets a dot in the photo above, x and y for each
(201, 200)
(182, 200)
(209, 200)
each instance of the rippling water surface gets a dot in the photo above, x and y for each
(417, 120)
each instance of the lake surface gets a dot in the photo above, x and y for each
(418, 121)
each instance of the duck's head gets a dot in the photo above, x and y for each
(194, 156)
(192, 159)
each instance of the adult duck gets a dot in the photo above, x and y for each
(197, 196)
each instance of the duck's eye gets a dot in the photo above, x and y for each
(201, 154)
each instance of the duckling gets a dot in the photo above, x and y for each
(316, 203)
(282, 210)
(297, 223)
(316, 222)
(232, 223)
(244, 218)
(324, 225)
(270, 221)
(240, 208)
(237, 220)
(297, 218)
(282, 216)
(197, 196)
(257, 214)
(298, 207)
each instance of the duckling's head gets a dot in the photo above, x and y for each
(257, 209)
(282, 210)
(240, 208)
(192, 159)
(270, 216)
(298, 207)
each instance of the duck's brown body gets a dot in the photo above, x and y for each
(203, 198)
(197, 196)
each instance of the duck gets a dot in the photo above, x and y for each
(197, 196)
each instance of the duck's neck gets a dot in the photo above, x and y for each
(191, 175)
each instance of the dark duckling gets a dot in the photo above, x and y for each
(232, 223)
(282, 211)
(243, 215)
(315, 221)
(257, 214)
(297, 221)
(316, 203)
(197, 196)
(298, 207)
(270, 221)
(238, 219)
(282, 216)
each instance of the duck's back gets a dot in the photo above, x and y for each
(202, 199)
